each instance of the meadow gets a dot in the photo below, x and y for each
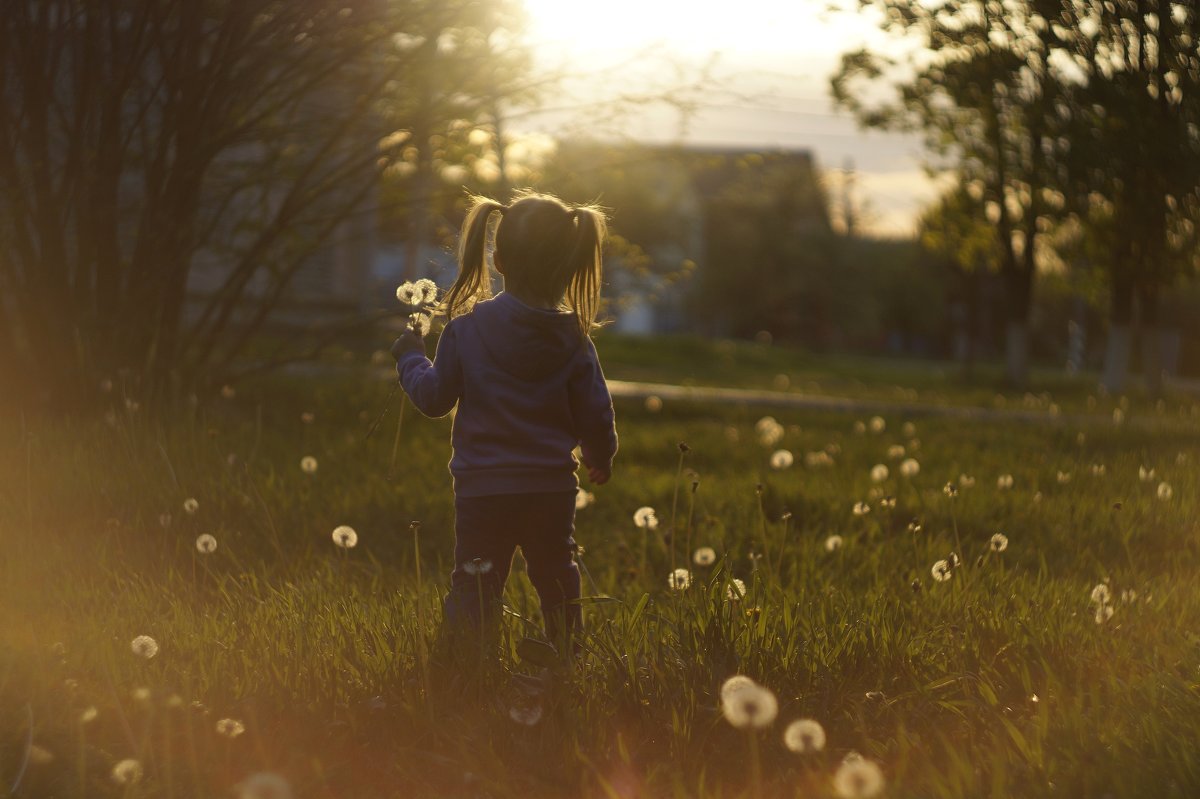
(1059, 657)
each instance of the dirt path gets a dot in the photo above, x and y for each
(788, 399)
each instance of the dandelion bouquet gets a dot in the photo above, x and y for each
(419, 300)
(419, 303)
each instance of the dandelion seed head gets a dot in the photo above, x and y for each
(1100, 594)
(477, 566)
(141, 695)
(39, 756)
(998, 542)
(895, 452)
(888, 502)
(1004, 482)
(263, 785)
(127, 772)
(345, 536)
(1118, 416)
(818, 458)
(858, 778)
(966, 481)
(308, 464)
(1063, 477)
(230, 728)
(704, 556)
(861, 509)
(735, 591)
(190, 506)
(528, 715)
(735, 683)
(859, 428)
(206, 544)
(88, 714)
(144, 646)
(950, 490)
(941, 571)
(781, 459)
(645, 518)
(909, 467)
(1098, 469)
(653, 404)
(879, 473)
(804, 735)
(1165, 491)
(877, 424)
(408, 294)
(769, 431)
(749, 707)
(679, 579)
(1103, 613)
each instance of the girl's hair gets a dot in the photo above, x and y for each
(550, 251)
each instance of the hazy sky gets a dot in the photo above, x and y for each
(772, 60)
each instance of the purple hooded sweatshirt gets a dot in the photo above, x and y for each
(529, 390)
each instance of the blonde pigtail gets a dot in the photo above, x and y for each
(586, 265)
(473, 282)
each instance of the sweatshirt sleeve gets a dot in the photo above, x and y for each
(433, 386)
(592, 410)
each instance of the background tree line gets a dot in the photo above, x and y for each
(1072, 128)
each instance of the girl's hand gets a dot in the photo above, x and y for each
(408, 342)
(598, 476)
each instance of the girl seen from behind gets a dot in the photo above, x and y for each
(525, 376)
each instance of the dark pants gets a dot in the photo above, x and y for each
(487, 531)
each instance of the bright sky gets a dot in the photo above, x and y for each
(773, 63)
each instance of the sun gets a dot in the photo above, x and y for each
(690, 28)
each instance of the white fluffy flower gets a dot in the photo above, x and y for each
(861, 509)
(857, 778)
(144, 646)
(781, 459)
(704, 556)
(749, 706)
(895, 452)
(804, 735)
(833, 542)
(230, 728)
(679, 579)
(308, 464)
(879, 473)
(736, 590)
(127, 772)
(345, 536)
(190, 506)
(941, 571)
(909, 467)
(1165, 491)
(998, 542)
(1004, 482)
(877, 424)
(1100, 594)
(645, 518)
(206, 544)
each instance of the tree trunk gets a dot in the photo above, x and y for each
(1019, 283)
(1152, 340)
(1116, 355)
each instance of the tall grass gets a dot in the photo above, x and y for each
(997, 682)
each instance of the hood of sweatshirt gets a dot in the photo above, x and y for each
(529, 343)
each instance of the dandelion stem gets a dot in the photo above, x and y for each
(375, 425)
(399, 427)
(687, 552)
(755, 766)
(762, 515)
(683, 450)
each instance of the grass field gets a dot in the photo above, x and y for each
(282, 655)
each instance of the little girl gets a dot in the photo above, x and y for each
(525, 376)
